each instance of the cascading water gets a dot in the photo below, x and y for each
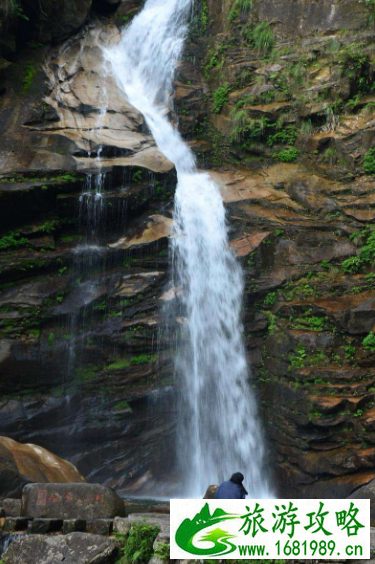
(218, 430)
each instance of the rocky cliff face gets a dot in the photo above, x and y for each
(277, 99)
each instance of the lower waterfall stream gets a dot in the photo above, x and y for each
(218, 430)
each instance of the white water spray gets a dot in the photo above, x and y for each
(218, 431)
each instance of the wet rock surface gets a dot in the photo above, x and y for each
(81, 371)
(21, 464)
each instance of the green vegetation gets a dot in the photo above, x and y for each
(285, 136)
(102, 306)
(137, 176)
(369, 162)
(350, 351)
(370, 4)
(143, 359)
(240, 7)
(300, 291)
(366, 255)
(355, 65)
(270, 299)
(263, 37)
(35, 333)
(138, 547)
(13, 9)
(28, 78)
(163, 551)
(51, 340)
(369, 342)
(220, 97)
(125, 19)
(119, 364)
(300, 358)
(87, 373)
(204, 16)
(13, 239)
(122, 406)
(308, 322)
(287, 155)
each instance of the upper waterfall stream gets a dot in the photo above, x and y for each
(218, 428)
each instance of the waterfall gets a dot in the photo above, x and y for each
(218, 430)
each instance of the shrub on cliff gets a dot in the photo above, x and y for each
(369, 162)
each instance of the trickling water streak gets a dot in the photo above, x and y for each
(218, 430)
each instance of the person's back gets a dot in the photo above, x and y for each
(230, 490)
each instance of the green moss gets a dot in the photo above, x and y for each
(122, 406)
(300, 358)
(143, 359)
(125, 19)
(87, 373)
(67, 336)
(204, 15)
(270, 299)
(309, 322)
(369, 342)
(28, 78)
(35, 333)
(51, 339)
(100, 306)
(369, 162)
(119, 365)
(220, 98)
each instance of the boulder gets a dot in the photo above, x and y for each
(12, 507)
(71, 501)
(367, 492)
(121, 525)
(211, 492)
(21, 464)
(76, 548)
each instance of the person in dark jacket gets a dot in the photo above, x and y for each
(233, 489)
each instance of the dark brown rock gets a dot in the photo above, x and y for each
(74, 526)
(100, 527)
(44, 526)
(13, 524)
(71, 501)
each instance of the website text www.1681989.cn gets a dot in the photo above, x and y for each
(297, 548)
